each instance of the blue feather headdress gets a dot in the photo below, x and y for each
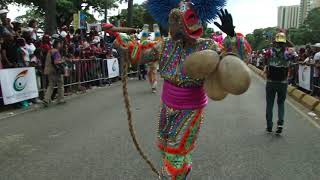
(206, 9)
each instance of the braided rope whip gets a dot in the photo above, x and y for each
(129, 114)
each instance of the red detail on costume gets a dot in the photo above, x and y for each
(181, 149)
(120, 41)
(138, 53)
(175, 171)
(106, 26)
(245, 42)
(190, 19)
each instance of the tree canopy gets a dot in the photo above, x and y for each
(309, 32)
(64, 8)
(140, 16)
(261, 38)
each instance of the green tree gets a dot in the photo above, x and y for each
(309, 32)
(31, 14)
(261, 38)
(300, 36)
(139, 18)
(250, 39)
(312, 20)
(60, 12)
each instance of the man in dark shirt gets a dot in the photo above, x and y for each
(9, 51)
(276, 69)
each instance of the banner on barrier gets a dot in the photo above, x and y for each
(18, 84)
(113, 68)
(305, 77)
(96, 27)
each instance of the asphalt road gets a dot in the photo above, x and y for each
(88, 139)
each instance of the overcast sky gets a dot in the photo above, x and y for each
(247, 14)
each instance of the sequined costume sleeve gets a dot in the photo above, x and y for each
(140, 52)
(237, 45)
(152, 53)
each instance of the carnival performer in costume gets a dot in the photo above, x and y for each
(192, 71)
(152, 66)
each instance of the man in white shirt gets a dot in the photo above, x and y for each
(317, 49)
(316, 60)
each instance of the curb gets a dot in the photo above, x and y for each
(306, 100)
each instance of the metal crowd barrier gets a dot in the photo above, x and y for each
(308, 82)
(80, 73)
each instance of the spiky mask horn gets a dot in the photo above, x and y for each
(184, 17)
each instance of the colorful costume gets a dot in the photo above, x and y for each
(152, 66)
(184, 94)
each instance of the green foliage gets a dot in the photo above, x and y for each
(309, 33)
(32, 14)
(312, 20)
(140, 16)
(261, 38)
(207, 33)
(65, 8)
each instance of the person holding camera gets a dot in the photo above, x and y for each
(54, 69)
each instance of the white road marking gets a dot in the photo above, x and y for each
(314, 123)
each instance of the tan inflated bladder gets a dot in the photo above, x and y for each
(234, 75)
(200, 64)
(213, 88)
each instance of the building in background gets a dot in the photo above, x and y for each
(305, 7)
(288, 17)
(315, 4)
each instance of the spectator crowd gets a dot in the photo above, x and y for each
(24, 46)
(306, 55)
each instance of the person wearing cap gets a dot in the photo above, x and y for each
(317, 52)
(6, 28)
(276, 69)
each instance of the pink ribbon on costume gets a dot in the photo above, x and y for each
(184, 98)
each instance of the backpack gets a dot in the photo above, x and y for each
(58, 67)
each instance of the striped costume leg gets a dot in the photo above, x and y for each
(178, 130)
